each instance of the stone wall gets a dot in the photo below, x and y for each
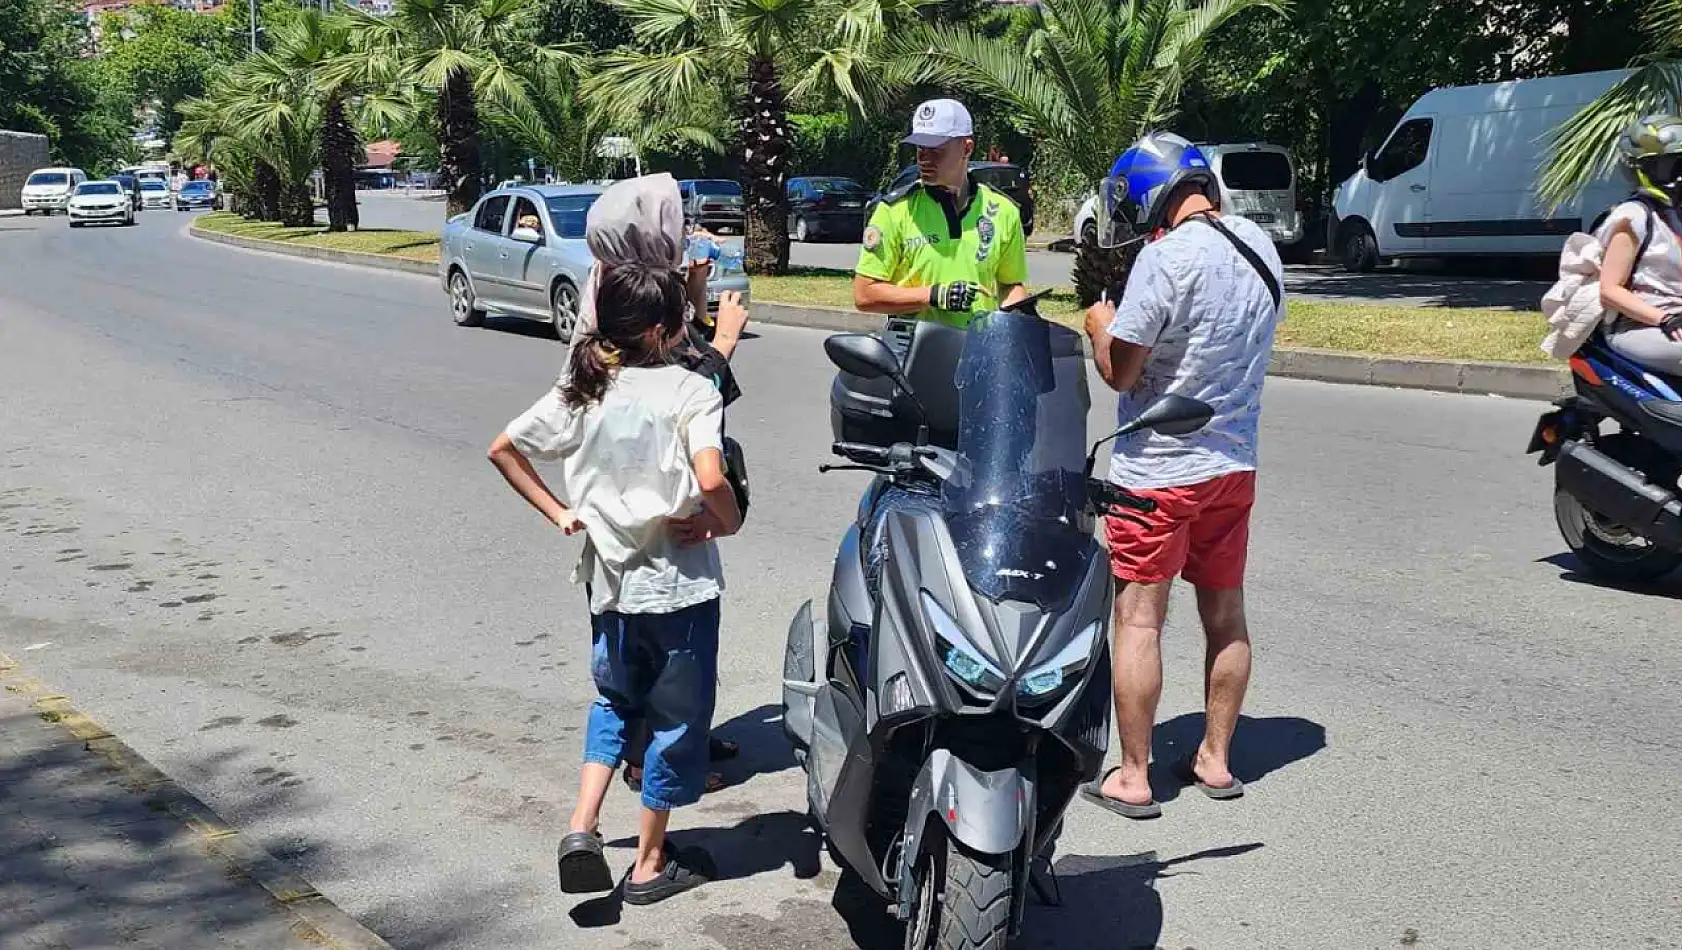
(20, 154)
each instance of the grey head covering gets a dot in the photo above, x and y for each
(638, 220)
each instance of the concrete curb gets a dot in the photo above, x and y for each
(362, 259)
(1466, 377)
(317, 918)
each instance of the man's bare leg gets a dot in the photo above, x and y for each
(1226, 675)
(651, 846)
(1136, 664)
(592, 790)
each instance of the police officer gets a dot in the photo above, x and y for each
(944, 247)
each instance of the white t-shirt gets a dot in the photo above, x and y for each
(626, 469)
(1658, 274)
(1208, 319)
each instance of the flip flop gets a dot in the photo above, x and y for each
(1094, 793)
(684, 871)
(582, 867)
(1186, 772)
(633, 780)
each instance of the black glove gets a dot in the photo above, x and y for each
(957, 296)
(1672, 327)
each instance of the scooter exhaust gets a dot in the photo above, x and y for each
(1615, 491)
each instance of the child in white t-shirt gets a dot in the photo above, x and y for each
(639, 442)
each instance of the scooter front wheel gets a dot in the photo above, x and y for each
(960, 900)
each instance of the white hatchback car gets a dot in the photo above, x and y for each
(100, 201)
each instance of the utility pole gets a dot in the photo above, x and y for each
(253, 4)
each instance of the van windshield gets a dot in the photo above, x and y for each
(48, 178)
(1256, 171)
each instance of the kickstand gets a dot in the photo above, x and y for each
(1043, 878)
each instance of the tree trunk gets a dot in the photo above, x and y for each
(297, 208)
(763, 125)
(339, 149)
(266, 184)
(1099, 268)
(458, 143)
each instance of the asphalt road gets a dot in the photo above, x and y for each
(247, 523)
(1423, 284)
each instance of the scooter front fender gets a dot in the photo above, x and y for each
(987, 812)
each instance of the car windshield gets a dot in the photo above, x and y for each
(1014, 505)
(151, 184)
(99, 188)
(718, 187)
(195, 187)
(840, 186)
(48, 178)
(568, 213)
(1256, 171)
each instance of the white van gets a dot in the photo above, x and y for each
(1457, 176)
(48, 189)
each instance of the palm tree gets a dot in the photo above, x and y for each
(463, 54)
(739, 54)
(1584, 148)
(209, 134)
(1093, 76)
(280, 119)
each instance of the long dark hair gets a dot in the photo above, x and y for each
(639, 318)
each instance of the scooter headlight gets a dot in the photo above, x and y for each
(1047, 678)
(963, 660)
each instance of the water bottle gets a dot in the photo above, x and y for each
(730, 259)
(702, 248)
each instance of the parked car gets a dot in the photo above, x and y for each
(491, 263)
(715, 204)
(1257, 181)
(196, 196)
(826, 207)
(154, 193)
(1004, 177)
(1457, 176)
(48, 189)
(103, 201)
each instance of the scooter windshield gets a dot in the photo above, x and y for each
(1014, 505)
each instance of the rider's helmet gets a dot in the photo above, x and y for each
(1133, 201)
(1651, 147)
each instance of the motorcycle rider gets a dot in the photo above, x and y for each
(1641, 270)
(1196, 318)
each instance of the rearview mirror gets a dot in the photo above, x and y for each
(862, 354)
(1168, 414)
(527, 236)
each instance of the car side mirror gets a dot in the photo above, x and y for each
(527, 235)
(862, 354)
(1168, 414)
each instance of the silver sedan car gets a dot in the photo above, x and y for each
(495, 260)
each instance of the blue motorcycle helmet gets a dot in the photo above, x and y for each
(1133, 200)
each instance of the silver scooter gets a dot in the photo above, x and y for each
(946, 711)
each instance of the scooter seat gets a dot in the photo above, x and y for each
(1663, 410)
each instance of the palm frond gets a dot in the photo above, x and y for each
(1584, 147)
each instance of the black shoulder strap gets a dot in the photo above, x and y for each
(1641, 250)
(1249, 254)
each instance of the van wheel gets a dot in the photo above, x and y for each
(1360, 250)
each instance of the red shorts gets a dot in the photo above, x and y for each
(1201, 531)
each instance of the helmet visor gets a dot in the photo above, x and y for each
(1115, 215)
(1663, 170)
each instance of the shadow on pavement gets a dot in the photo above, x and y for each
(1573, 571)
(1259, 746)
(765, 750)
(518, 326)
(1448, 290)
(85, 860)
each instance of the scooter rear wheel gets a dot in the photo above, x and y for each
(1608, 549)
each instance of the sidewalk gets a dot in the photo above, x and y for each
(87, 862)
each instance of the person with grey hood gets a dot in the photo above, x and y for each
(640, 221)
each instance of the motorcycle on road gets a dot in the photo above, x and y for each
(1616, 493)
(946, 712)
